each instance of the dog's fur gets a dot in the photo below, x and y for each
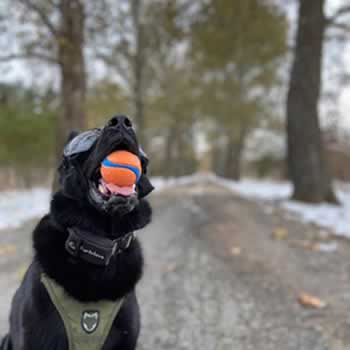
(34, 321)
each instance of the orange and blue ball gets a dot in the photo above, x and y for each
(121, 168)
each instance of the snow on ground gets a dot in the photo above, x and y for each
(18, 206)
(334, 218)
(258, 189)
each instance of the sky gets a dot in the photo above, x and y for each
(344, 93)
(29, 73)
(344, 100)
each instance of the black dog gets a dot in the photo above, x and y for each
(86, 245)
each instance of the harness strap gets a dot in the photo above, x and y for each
(87, 325)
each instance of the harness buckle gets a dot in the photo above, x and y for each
(130, 239)
(73, 243)
(115, 247)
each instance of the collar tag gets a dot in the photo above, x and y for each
(93, 249)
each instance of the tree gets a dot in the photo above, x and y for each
(124, 53)
(103, 97)
(237, 49)
(172, 121)
(307, 165)
(26, 134)
(55, 33)
(69, 38)
(137, 33)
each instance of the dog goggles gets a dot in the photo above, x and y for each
(85, 140)
(82, 142)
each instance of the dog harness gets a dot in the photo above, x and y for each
(87, 325)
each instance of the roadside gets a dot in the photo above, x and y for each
(15, 255)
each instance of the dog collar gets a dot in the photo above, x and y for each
(95, 250)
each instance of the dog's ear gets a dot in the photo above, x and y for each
(144, 186)
(144, 160)
(70, 178)
(64, 161)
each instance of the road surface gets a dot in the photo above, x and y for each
(216, 278)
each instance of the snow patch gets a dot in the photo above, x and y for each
(255, 189)
(331, 217)
(327, 247)
(16, 207)
(161, 183)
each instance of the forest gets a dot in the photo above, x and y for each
(234, 90)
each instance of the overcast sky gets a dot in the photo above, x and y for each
(344, 93)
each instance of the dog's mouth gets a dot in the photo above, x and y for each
(110, 198)
(105, 196)
(107, 189)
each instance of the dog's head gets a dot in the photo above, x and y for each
(79, 172)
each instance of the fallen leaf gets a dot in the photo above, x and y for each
(7, 249)
(280, 233)
(309, 300)
(300, 243)
(236, 250)
(170, 267)
(221, 228)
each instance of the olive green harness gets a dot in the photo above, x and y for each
(87, 325)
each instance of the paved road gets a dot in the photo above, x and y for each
(15, 254)
(215, 280)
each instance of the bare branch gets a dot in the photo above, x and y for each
(115, 63)
(339, 37)
(342, 26)
(53, 3)
(29, 55)
(343, 11)
(42, 15)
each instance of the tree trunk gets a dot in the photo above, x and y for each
(168, 160)
(233, 159)
(72, 72)
(306, 158)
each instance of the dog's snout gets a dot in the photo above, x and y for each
(119, 122)
(127, 122)
(119, 134)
